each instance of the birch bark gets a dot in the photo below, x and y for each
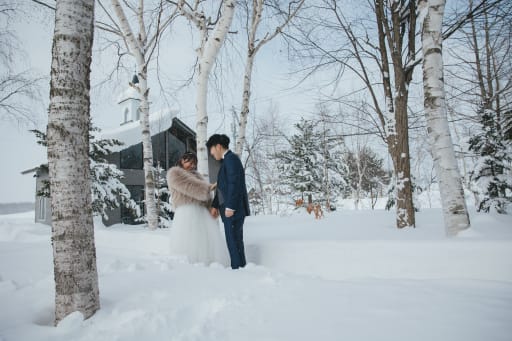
(74, 253)
(137, 48)
(452, 195)
(207, 54)
(252, 50)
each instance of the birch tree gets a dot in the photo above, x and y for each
(212, 35)
(254, 14)
(141, 45)
(74, 254)
(455, 213)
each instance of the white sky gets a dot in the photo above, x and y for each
(271, 81)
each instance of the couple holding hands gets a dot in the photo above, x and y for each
(195, 232)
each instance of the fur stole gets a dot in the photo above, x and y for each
(187, 187)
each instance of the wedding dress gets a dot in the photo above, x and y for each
(197, 236)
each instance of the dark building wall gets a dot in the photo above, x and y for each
(168, 146)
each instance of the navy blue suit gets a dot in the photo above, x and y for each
(232, 193)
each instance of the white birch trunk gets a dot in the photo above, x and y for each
(257, 11)
(137, 50)
(252, 50)
(202, 119)
(244, 113)
(74, 253)
(149, 178)
(207, 55)
(452, 195)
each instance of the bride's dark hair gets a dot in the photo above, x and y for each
(188, 156)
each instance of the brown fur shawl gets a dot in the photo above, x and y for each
(187, 187)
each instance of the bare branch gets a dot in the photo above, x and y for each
(44, 4)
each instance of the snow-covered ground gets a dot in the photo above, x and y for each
(351, 276)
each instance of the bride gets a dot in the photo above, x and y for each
(194, 234)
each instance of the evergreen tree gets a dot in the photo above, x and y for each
(299, 163)
(506, 125)
(162, 196)
(493, 171)
(108, 192)
(313, 165)
(334, 168)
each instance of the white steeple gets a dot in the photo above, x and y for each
(129, 101)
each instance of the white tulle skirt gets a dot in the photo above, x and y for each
(197, 236)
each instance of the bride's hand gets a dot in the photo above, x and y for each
(214, 212)
(213, 187)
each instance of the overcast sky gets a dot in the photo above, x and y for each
(272, 86)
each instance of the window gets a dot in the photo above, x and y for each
(175, 148)
(131, 157)
(191, 143)
(126, 112)
(138, 114)
(42, 209)
(159, 149)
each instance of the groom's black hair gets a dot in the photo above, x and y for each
(216, 139)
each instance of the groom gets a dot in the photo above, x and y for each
(231, 199)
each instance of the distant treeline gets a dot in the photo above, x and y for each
(16, 207)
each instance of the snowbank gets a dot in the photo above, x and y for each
(351, 276)
(365, 244)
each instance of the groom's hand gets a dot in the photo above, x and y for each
(214, 212)
(229, 213)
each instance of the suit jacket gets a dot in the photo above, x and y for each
(231, 184)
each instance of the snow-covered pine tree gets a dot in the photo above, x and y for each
(108, 192)
(506, 126)
(493, 170)
(310, 169)
(300, 164)
(162, 195)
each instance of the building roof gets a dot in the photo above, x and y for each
(130, 133)
(37, 170)
(29, 171)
